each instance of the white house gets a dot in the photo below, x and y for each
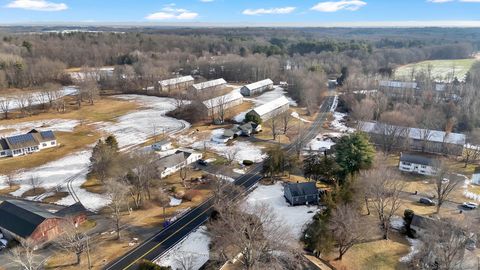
(173, 163)
(174, 84)
(163, 145)
(220, 104)
(28, 143)
(271, 109)
(476, 176)
(209, 85)
(256, 87)
(417, 164)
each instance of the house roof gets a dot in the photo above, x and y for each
(258, 84)
(3, 144)
(22, 218)
(208, 84)
(171, 160)
(272, 105)
(417, 159)
(72, 210)
(215, 102)
(398, 84)
(21, 141)
(420, 134)
(174, 81)
(302, 189)
(423, 222)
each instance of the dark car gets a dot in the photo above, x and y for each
(202, 162)
(426, 201)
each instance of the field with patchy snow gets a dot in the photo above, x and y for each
(137, 127)
(442, 70)
(65, 125)
(65, 91)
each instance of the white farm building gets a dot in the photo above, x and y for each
(256, 87)
(417, 164)
(220, 104)
(175, 84)
(209, 85)
(271, 109)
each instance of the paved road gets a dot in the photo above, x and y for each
(154, 247)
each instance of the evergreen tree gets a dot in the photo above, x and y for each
(111, 142)
(354, 153)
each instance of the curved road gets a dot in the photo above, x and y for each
(164, 239)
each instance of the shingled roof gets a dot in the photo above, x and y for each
(302, 189)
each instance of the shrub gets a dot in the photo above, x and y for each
(247, 162)
(148, 265)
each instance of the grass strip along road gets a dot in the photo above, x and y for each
(152, 248)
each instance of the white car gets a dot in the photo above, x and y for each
(470, 205)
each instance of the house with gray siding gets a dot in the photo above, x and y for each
(301, 193)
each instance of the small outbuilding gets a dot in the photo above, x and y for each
(301, 193)
(163, 145)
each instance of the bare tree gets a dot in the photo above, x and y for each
(184, 175)
(142, 171)
(273, 124)
(364, 110)
(10, 178)
(24, 256)
(285, 118)
(384, 187)
(72, 239)
(5, 105)
(163, 200)
(186, 261)
(346, 228)
(471, 152)
(258, 239)
(52, 92)
(443, 246)
(89, 89)
(231, 153)
(23, 103)
(444, 183)
(34, 181)
(117, 193)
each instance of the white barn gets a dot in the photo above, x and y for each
(417, 164)
(256, 87)
(271, 109)
(217, 104)
(175, 84)
(209, 85)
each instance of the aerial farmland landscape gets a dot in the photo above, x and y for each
(213, 134)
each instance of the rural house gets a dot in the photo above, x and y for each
(28, 143)
(301, 193)
(271, 109)
(173, 163)
(256, 87)
(209, 85)
(476, 176)
(417, 139)
(420, 164)
(24, 220)
(162, 145)
(175, 84)
(219, 105)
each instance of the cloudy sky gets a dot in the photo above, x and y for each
(244, 12)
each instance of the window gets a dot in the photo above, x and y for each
(424, 167)
(406, 163)
(2, 153)
(52, 143)
(44, 144)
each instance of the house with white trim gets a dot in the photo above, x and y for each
(172, 163)
(415, 163)
(31, 142)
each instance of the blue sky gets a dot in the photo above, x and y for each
(245, 12)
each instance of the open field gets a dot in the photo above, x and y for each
(441, 70)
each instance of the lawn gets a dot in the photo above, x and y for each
(442, 70)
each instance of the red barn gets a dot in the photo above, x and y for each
(23, 220)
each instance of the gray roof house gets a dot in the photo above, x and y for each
(27, 143)
(301, 193)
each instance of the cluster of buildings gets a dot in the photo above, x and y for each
(31, 142)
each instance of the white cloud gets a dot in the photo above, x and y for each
(332, 6)
(39, 5)
(260, 11)
(470, 1)
(170, 12)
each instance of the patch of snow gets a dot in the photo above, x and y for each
(239, 171)
(365, 92)
(136, 127)
(224, 177)
(334, 104)
(323, 141)
(415, 246)
(65, 125)
(296, 115)
(239, 118)
(65, 91)
(296, 217)
(338, 123)
(174, 201)
(193, 250)
(396, 222)
(54, 174)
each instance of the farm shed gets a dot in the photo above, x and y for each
(209, 85)
(218, 105)
(256, 87)
(175, 84)
(271, 109)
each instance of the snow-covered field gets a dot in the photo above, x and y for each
(295, 217)
(323, 141)
(136, 127)
(338, 123)
(240, 150)
(191, 253)
(65, 91)
(66, 125)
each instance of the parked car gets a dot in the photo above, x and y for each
(470, 205)
(426, 201)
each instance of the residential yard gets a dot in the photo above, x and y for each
(442, 70)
